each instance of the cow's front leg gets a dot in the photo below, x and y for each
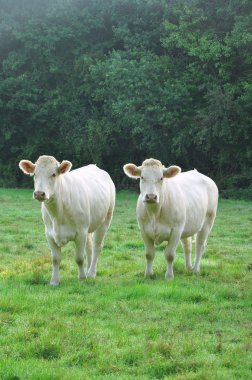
(56, 258)
(149, 254)
(170, 252)
(80, 244)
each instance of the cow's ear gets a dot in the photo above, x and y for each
(27, 167)
(64, 167)
(132, 170)
(171, 171)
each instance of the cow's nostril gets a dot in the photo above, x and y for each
(39, 194)
(151, 197)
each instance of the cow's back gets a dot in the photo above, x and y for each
(196, 187)
(197, 194)
(95, 192)
(95, 181)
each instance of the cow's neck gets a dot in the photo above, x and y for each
(55, 205)
(153, 209)
(52, 207)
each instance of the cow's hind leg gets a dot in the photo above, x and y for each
(187, 247)
(89, 246)
(98, 239)
(201, 240)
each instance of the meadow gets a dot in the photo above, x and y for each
(120, 325)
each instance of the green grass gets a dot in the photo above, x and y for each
(119, 325)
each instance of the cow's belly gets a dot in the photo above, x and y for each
(191, 230)
(61, 234)
(194, 223)
(160, 232)
(157, 232)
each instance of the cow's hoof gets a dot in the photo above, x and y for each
(169, 277)
(91, 275)
(54, 283)
(195, 270)
(81, 278)
(149, 275)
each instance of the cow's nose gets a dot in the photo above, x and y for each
(151, 198)
(39, 195)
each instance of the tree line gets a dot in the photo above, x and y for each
(117, 81)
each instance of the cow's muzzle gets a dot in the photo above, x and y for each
(151, 198)
(39, 195)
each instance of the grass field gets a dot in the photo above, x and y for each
(119, 325)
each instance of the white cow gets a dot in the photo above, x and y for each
(173, 206)
(76, 205)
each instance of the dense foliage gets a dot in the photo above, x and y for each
(114, 81)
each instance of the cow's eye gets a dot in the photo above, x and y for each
(142, 177)
(54, 175)
(161, 179)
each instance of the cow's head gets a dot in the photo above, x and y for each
(46, 172)
(152, 174)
